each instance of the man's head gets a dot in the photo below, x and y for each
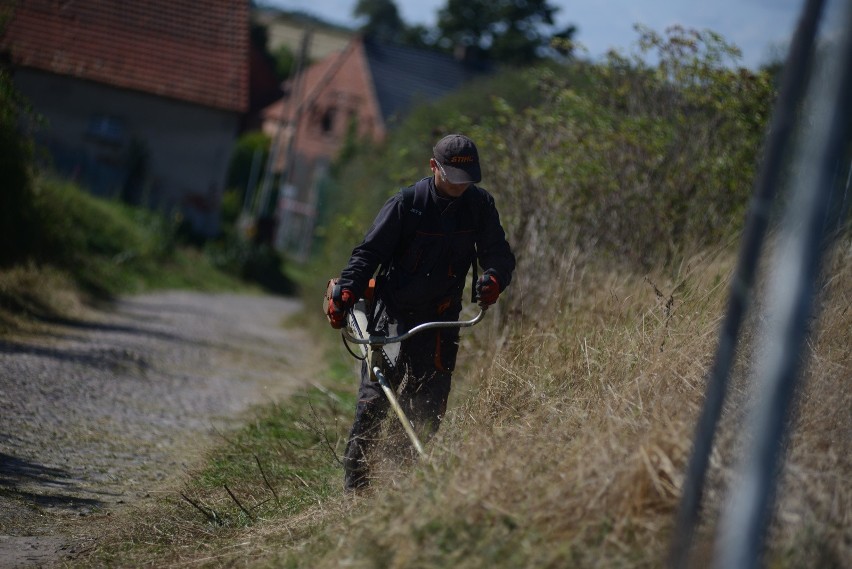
(458, 156)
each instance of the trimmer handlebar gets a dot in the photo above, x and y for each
(385, 340)
(373, 358)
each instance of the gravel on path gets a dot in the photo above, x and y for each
(107, 410)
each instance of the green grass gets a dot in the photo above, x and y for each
(110, 248)
(266, 480)
(87, 249)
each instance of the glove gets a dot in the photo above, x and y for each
(487, 290)
(340, 301)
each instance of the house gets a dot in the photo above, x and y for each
(142, 100)
(367, 86)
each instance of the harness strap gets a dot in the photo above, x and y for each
(414, 201)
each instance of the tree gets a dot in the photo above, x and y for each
(419, 36)
(510, 31)
(383, 20)
(285, 61)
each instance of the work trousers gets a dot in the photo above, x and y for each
(421, 379)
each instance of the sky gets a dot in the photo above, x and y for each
(760, 28)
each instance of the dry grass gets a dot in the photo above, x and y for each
(570, 447)
(29, 293)
(565, 448)
(814, 527)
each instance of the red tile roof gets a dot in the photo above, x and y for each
(183, 49)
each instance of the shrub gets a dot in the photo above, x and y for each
(18, 229)
(251, 151)
(641, 164)
(634, 161)
(638, 162)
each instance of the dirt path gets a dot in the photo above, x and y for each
(110, 409)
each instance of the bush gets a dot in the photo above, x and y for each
(637, 162)
(640, 162)
(252, 149)
(18, 226)
(106, 245)
(253, 263)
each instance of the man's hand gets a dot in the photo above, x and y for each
(340, 301)
(487, 290)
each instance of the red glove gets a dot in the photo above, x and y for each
(341, 301)
(487, 290)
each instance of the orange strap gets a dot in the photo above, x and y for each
(370, 293)
(439, 365)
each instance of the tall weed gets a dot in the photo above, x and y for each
(567, 447)
(622, 191)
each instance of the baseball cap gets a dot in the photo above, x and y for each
(459, 158)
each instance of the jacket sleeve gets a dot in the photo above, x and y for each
(493, 251)
(377, 247)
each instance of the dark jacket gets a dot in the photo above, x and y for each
(428, 266)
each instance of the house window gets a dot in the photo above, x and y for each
(106, 128)
(327, 121)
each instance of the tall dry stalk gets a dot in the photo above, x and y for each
(568, 449)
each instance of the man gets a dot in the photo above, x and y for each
(425, 238)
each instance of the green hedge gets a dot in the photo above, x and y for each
(634, 161)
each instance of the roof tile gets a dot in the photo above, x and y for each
(182, 49)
